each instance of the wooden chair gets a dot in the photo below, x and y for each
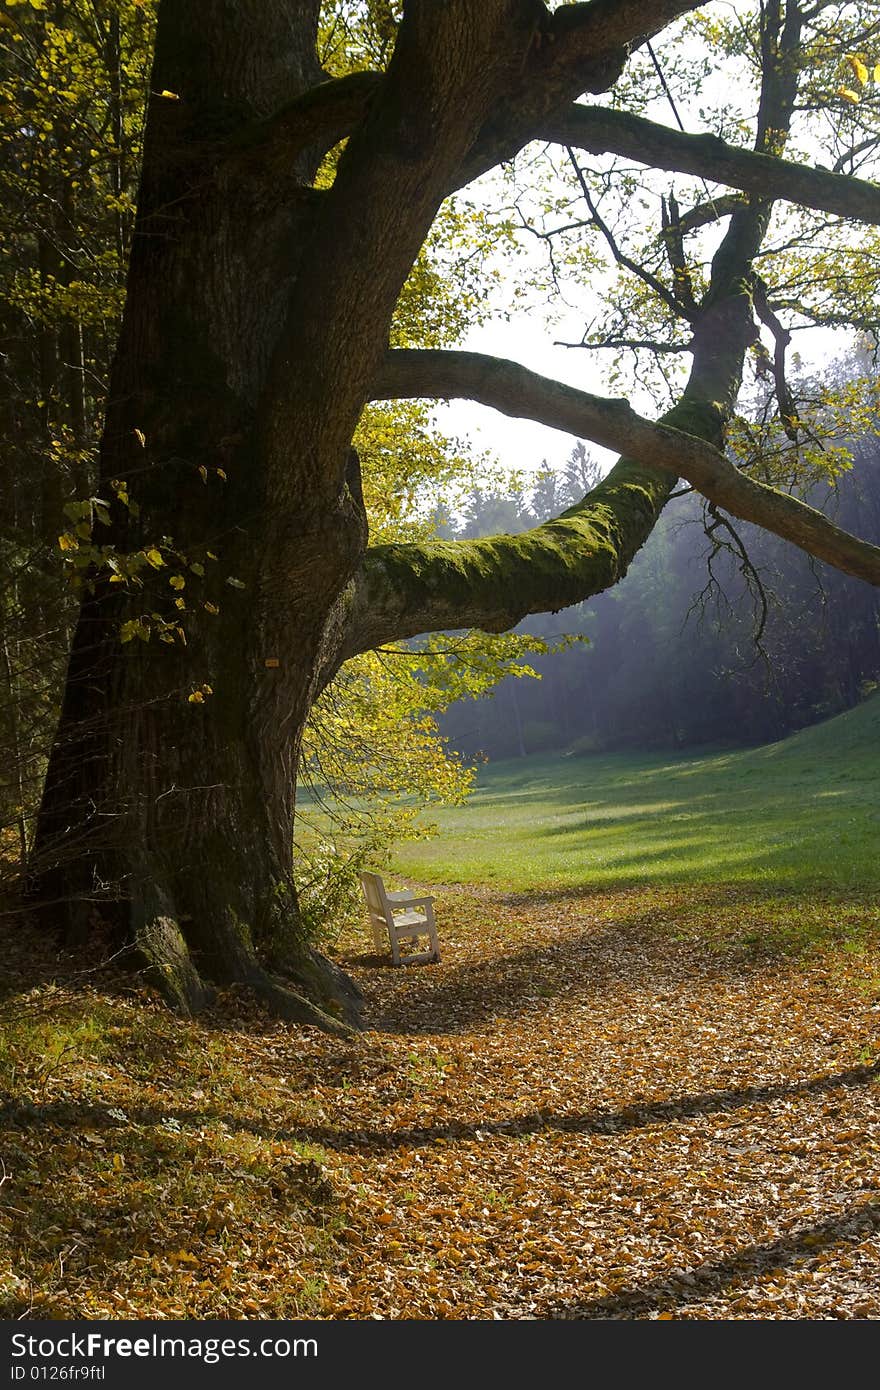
(404, 916)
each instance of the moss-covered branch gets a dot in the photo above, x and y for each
(402, 590)
(493, 583)
(601, 131)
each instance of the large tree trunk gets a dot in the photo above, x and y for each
(173, 816)
(257, 316)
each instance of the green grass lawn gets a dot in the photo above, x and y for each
(802, 812)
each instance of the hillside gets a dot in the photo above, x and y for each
(805, 810)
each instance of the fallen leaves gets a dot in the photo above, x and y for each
(613, 1105)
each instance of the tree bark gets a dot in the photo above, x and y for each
(169, 817)
(257, 315)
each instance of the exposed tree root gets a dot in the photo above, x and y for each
(317, 993)
(287, 1003)
(160, 945)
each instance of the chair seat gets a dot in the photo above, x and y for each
(410, 923)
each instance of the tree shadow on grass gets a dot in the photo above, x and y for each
(677, 1290)
(75, 1114)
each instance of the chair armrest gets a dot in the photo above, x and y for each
(402, 900)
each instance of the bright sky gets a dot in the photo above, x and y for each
(528, 336)
(522, 443)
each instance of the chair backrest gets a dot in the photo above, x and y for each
(374, 892)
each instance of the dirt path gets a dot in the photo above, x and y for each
(627, 1105)
(578, 1115)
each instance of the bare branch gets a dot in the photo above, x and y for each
(713, 211)
(649, 344)
(669, 299)
(781, 340)
(674, 243)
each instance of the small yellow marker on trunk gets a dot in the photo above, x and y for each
(271, 662)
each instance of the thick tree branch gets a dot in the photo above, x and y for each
(512, 389)
(403, 590)
(581, 48)
(601, 131)
(325, 114)
(450, 64)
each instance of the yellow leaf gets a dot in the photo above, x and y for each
(118, 1162)
(848, 95)
(211, 608)
(135, 627)
(221, 474)
(155, 558)
(203, 473)
(860, 72)
(177, 581)
(141, 438)
(67, 542)
(196, 698)
(169, 96)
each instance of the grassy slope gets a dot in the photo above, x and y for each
(802, 812)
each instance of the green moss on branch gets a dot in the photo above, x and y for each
(494, 582)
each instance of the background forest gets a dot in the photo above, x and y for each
(712, 637)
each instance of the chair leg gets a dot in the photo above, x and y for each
(432, 933)
(395, 947)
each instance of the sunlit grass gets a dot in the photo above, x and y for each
(802, 812)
